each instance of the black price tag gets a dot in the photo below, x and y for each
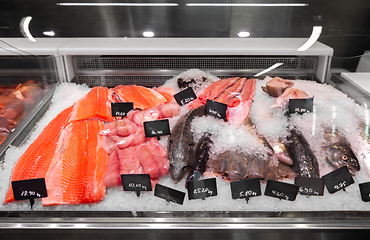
(310, 186)
(338, 179)
(301, 106)
(365, 191)
(169, 194)
(185, 96)
(157, 128)
(246, 188)
(281, 190)
(121, 109)
(29, 189)
(136, 182)
(216, 109)
(202, 188)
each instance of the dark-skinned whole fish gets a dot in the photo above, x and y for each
(277, 148)
(235, 165)
(304, 160)
(181, 145)
(201, 157)
(339, 153)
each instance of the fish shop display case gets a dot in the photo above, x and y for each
(150, 62)
(34, 78)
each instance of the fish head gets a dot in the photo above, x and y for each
(178, 170)
(341, 155)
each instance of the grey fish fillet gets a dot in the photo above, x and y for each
(304, 160)
(181, 145)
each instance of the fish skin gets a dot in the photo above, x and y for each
(339, 153)
(285, 172)
(234, 165)
(181, 145)
(201, 157)
(305, 163)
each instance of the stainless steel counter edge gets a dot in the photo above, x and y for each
(186, 223)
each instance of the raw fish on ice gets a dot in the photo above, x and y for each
(76, 172)
(35, 161)
(237, 165)
(304, 160)
(149, 157)
(237, 93)
(201, 156)
(276, 86)
(181, 145)
(94, 105)
(122, 161)
(338, 151)
(289, 93)
(142, 97)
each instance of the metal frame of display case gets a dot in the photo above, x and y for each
(68, 52)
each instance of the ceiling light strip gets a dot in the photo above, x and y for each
(118, 4)
(247, 4)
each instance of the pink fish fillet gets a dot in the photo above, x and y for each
(129, 162)
(122, 161)
(121, 128)
(289, 93)
(152, 160)
(230, 92)
(216, 88)
(150, 114)
(168, 110)
(236, 115)
(213, 91)
(111, 177)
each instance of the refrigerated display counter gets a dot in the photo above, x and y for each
(87, 63)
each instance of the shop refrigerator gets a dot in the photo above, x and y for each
(77, 65)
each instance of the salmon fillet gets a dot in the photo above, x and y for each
(35, 161)
(76, 172)
(142, 97)
(94, 105)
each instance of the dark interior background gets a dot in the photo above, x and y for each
(346, 24)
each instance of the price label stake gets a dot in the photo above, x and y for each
(121, 109)
(157, 128)
(365, 191)
(300, 106)
(338, 179)
(29, 189)
(169, 194)
(310, 186)
(281, 190)
(202, 188)
(246, 189)
(136, 183)
(216, 109)
(185, 96)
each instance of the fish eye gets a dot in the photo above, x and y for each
(345, 157)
